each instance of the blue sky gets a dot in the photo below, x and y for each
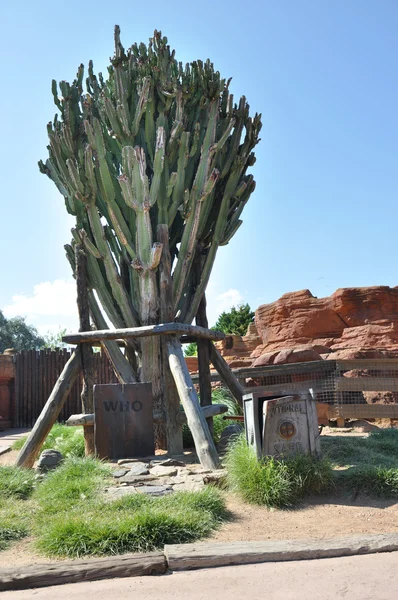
(322, 72)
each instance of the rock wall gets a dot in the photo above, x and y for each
(351, 323)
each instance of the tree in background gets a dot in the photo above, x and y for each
(53, 340)
(236, 321)
(191, 349)
(15, 333)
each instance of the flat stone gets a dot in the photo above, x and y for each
(198, 469)
(133, 479)
(216, 477)
(153, 490)
(144, 459)
(119, 473)
(189, 486)
(135, 465)
(113, 493)
(163, 471)
(171, 462)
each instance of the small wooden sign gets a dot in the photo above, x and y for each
(123, 420)
(281, 426)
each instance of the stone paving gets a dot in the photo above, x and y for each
(159, 475)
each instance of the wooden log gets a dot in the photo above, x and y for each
(220, 554)
(92, 569)
(145, 331)
(83, 310)
(121, 366)
(170, 394)
(77, 420)
(203, 440)
(226, 374)
(158, 416)
(50, 412)
(204, 362)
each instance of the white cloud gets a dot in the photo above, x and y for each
(51, 305)
(218, 303)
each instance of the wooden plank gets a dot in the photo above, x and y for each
(171, 398)
(366, 384)
(364, 411)
(203, 440)
(226, 374)
(204, 362)
(205, 555)
(123, 426)
(50, 412)
(41, 575)
(146, 331)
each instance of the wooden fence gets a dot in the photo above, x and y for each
(35, 375)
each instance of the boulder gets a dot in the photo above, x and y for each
(227, 436)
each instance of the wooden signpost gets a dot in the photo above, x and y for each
(123, 420)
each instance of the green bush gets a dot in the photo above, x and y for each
(76, 480)
(135, 523)
(271, 482)
(16, 482)
(219, 396)
(67, 440)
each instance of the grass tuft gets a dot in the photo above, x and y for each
(136, 523)
(16, 482)
(67, 440)
(77, 480)
(275, 483)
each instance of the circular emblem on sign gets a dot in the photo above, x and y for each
(287, 430)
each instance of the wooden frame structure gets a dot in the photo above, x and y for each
(193, 414)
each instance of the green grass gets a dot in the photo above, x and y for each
(67, 440)
(15, 482)
(370, 464)
(76, 482)
(135, 523)
(275, 483)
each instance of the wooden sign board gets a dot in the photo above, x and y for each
(281, 426)
(123, 420)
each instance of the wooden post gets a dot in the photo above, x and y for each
(50, 412)
(121, 366)
(171, 398)
(86, 350)
(204, 444)
(226, 374)
(204, 362)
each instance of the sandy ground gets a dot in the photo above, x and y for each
(372, 577)
(336, 515)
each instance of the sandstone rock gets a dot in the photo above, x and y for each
(265, 359)
(296, 355)
(49, 459)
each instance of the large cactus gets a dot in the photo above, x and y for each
(154, 143)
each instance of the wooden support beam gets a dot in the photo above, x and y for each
(204, 362)
(50, 412)
(146, 331)
(204, 444)
(86, 350)
(170, 393)
(120, 364)
(226, 374)
(158, 417)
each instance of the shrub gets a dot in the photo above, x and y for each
(374, 480)
(16, 482)
(67, 440)
(11, 533)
